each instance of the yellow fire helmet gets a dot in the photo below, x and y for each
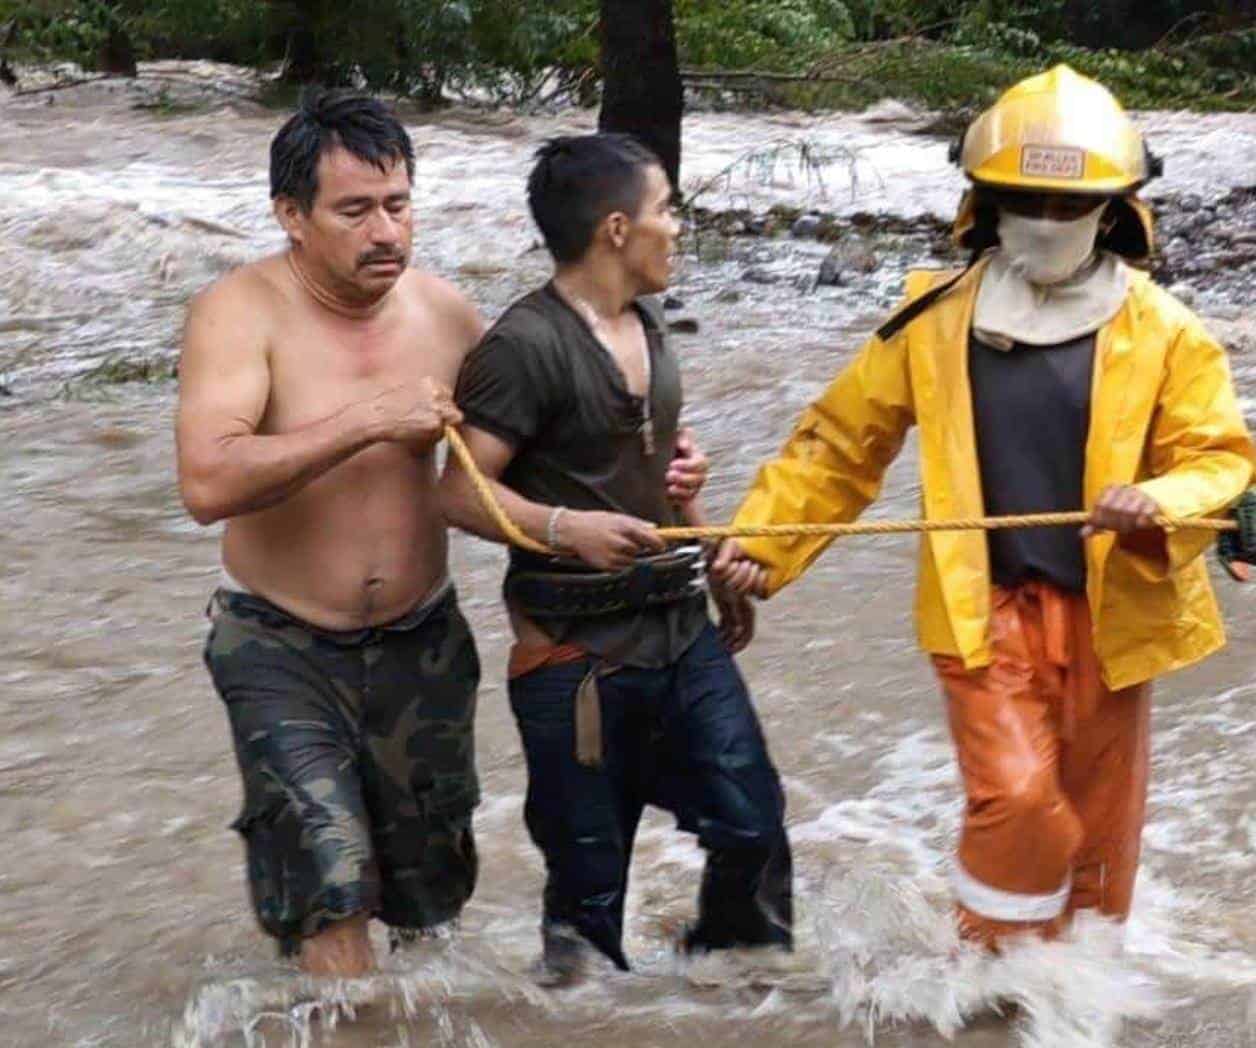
(1059, 132)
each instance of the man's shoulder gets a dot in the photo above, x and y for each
(529, 320)
(440, 300)
(252, 288)
(525, 339)
(435, 292)
(1159, 319)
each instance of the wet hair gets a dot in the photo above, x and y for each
(984, 233)
(325, 120)
(578, 181)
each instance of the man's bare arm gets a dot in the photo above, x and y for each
(225, 467)
(461, 504)
(607, 541)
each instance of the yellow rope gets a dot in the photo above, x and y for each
(866, 527)
(484, 490)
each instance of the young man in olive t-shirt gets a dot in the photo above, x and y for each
(624, 692)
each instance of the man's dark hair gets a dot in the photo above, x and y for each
(578, 181)
(324, 120)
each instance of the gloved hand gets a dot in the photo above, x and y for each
(1237, 549)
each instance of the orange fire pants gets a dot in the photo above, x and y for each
(1054, 768)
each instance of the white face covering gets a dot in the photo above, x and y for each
(1045, 251)
(1010, 309)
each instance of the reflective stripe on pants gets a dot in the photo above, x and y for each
(1054, 767)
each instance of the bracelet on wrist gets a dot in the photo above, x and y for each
(551, 527)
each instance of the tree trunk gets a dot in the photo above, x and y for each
(7, 36)
(300, 22)
(641, 90)
(117, 53)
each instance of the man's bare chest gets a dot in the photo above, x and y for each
(316, 373)
(627, 346)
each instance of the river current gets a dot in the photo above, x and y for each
(123, 914)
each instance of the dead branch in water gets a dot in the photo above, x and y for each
(733, 76)
(61, 85)
(169, 76)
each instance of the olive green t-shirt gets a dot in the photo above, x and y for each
(541, 381)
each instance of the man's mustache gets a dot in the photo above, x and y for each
(381, 256)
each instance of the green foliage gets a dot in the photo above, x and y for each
(58, 31)
(418, 48)
(1234, 51)
(1178, 75)
(943, 53)
(413, 47)
(1133, 24)
(222, 30)
(887, 19)
(519, 43)
(408, 46)
(958, 56)
(760, 33)
(75, 30)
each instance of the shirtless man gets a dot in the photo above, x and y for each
(314, 389)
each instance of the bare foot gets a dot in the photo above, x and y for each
(341, 950)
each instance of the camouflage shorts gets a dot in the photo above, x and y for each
(357, 754)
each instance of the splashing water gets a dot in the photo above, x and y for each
(897, 958)
(291, 1010)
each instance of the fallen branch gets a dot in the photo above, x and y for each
(1166, 43)
(869, 47)
(733, 75)
(167, 76)
(763, 161)
(61, 85)
(569, 87)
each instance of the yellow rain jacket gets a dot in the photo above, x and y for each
(1163, 416)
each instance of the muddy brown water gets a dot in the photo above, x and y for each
(123, 917)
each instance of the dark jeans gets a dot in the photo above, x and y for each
(686, 739)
